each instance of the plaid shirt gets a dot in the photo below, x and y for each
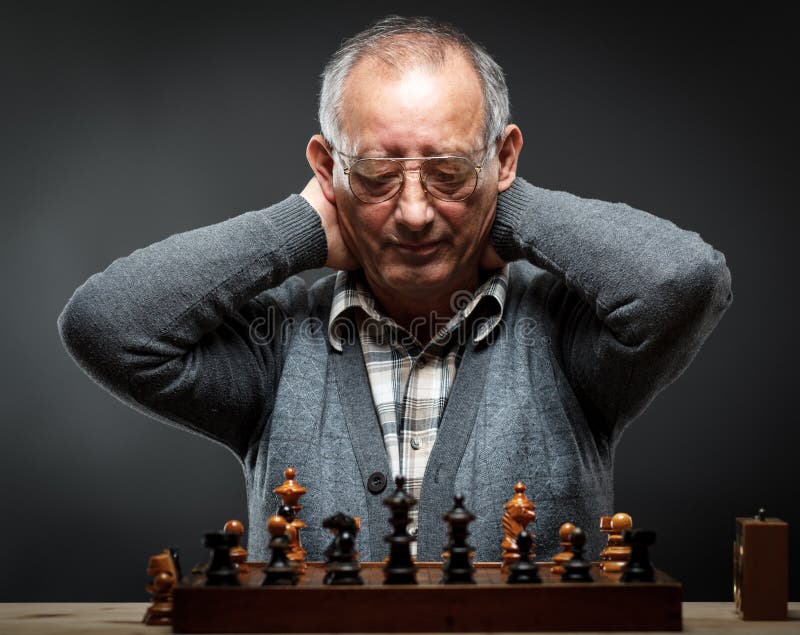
(410, 382)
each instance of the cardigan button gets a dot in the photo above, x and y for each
(376, 482)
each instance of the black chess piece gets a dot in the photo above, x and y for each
(639, 567)
(279, 571)
(523, 571)
(173, 552)
(458, 569)
(286, 512)
(220, 570)
(576, 569)
(400, 568)
(340, 557)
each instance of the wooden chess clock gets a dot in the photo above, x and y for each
(761, 567)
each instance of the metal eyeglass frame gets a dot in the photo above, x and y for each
(401, 160)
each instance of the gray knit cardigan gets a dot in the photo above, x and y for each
(210, 330)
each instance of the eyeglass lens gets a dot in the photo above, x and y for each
(378, 180)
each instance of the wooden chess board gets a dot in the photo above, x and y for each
(490, 605)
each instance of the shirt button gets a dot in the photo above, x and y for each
(413, 531)
(376, 482)
(421, 361)
(415, 443)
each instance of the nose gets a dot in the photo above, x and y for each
(413, 206)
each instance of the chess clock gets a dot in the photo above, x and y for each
(761, 567)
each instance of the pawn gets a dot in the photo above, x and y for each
(576, 569)
(220, 571)
(638, 568)
(162, 569)
(616, 553)
(522, 570)
(566, 549)
(279, 571)
(238, 553)
(458, 568)
(159, 613)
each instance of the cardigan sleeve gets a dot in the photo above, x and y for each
(633, 296)
(169, 329)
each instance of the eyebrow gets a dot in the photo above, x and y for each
(382, 154)
(427, 150)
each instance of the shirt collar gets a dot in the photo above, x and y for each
(350, 292)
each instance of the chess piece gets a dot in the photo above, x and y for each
(341, 562)
(295, 552)
(616, 553)
(279, 570)
(605, 528)
(566, 549)
(220, 570)
(162, 569)
(518, 512)
(458, 568)
(522, 570)
(176, 561)
(238, 553)
(576, 569)
(400, 568)
(290, 492)
(638, 568)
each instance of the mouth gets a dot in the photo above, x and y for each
(418, 249)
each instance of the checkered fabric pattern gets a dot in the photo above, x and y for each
(410, 382)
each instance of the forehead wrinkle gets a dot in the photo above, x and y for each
(371, 84)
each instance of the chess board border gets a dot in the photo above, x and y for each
(490, 605)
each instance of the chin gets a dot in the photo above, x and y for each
(407, 278)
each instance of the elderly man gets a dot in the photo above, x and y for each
(480, 330)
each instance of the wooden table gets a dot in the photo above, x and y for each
(125, 619)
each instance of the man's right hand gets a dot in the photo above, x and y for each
(339, 256)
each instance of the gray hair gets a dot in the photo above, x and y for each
(403, 43)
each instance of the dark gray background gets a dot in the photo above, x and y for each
(125, 123)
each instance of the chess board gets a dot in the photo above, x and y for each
(489, 605)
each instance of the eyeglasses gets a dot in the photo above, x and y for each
(447, 178)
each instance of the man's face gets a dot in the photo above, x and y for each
(415, 114)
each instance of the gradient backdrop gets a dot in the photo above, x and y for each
(123, 123)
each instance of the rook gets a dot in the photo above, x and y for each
(616, 553)
(639, 568)
(220, 571)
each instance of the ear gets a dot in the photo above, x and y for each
(320, 159)
(508, 154)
